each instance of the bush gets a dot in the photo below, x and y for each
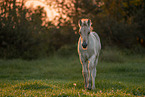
(111, 55)
(135, 50)
(117, 33)
(67, 50)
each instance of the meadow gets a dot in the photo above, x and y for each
(61, 76)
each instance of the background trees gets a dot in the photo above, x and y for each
(24, 33)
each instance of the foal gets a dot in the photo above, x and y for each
(89, 47)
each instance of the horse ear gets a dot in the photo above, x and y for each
(80, 22)
(89, 22)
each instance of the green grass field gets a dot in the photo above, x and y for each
(62, 76)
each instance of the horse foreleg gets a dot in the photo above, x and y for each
(94, 73)
(89, 78)
(85, 74)
(84, 70)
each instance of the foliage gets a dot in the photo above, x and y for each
(125, 14)
(25, 33)
(113, 33)
(115, 21)
(66, 51)
(19, 35)
(140, 20)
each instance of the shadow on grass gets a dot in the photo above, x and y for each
(33, 86)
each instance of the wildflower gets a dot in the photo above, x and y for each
(74, 84)
(100, 91)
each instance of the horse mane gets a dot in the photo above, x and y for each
(84, 19)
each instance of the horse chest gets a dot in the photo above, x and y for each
(87, 53)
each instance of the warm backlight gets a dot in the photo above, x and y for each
(51, 13)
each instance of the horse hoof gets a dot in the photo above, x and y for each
(89, 88)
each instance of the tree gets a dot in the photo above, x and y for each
(21, 30)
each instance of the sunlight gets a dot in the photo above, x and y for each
(50, 12)
(53, 12)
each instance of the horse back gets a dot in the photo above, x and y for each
(97, 39)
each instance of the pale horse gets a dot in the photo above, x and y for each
(89, 47)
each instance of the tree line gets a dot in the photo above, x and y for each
(24, 33)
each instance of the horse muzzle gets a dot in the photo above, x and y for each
(84, 44)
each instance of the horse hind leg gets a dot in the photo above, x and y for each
(94, 74)
(93, 78)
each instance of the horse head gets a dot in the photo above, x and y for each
(85, 29)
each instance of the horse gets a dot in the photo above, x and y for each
(89, 47)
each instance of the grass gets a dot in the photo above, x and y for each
(61, 77)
